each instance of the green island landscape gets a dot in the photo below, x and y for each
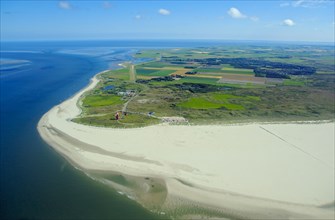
(215, 85)
(167, 109)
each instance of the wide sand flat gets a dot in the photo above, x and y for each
(256, 170)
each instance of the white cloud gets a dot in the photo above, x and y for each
(288, 22)
(106, 5)
(306, 3)
(138, 17)
(299, 3)
(235, 13)
(64, 5)
(163, 11)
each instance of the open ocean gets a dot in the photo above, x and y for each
(36, 182)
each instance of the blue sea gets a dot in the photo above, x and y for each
(36, 182)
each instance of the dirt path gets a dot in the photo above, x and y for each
(124, 108)
(132, 73)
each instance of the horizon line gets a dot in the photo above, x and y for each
(164, 39)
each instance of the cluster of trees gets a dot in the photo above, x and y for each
(159, 79)
(269, 73)
(261, 67)
(190, 67)
(248, 63)
(191, 72)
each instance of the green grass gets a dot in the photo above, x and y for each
(219, 100)
(226, 66)
(124, 70)
(150, 72)
(290, 82)
(237, 71)
(101, 100)
(199, 103)
(227, 97)
(163, 72)
(119, 74)
(199, 80)
(208, 70)
(231, 106)
(253, 98)
(204, 103)
(224, 97)
(145, 71)
(154, 64)
(225, 70)
(244, 86)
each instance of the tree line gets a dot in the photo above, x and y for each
(261, 68)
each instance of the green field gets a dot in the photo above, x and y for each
(209, 70)
(219, 100)
(200, 99)
(225, 70)
(199, 80)
(119, 74)
(154, 64)
(204, 103)
(237, 71)
(101, 100)
(227, 97)
(151, 72)
(290, 82)
(199, 103)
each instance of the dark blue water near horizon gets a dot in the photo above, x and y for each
(35, 181)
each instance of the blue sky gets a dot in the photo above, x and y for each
(275, 20)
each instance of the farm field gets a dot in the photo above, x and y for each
(209, 88)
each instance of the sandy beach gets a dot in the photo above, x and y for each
(263, 171)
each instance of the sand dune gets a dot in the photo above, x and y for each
(254, 170)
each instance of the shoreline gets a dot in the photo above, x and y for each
(210, 166)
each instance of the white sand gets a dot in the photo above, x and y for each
(254, 170)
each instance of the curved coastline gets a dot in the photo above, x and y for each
(229, 169)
